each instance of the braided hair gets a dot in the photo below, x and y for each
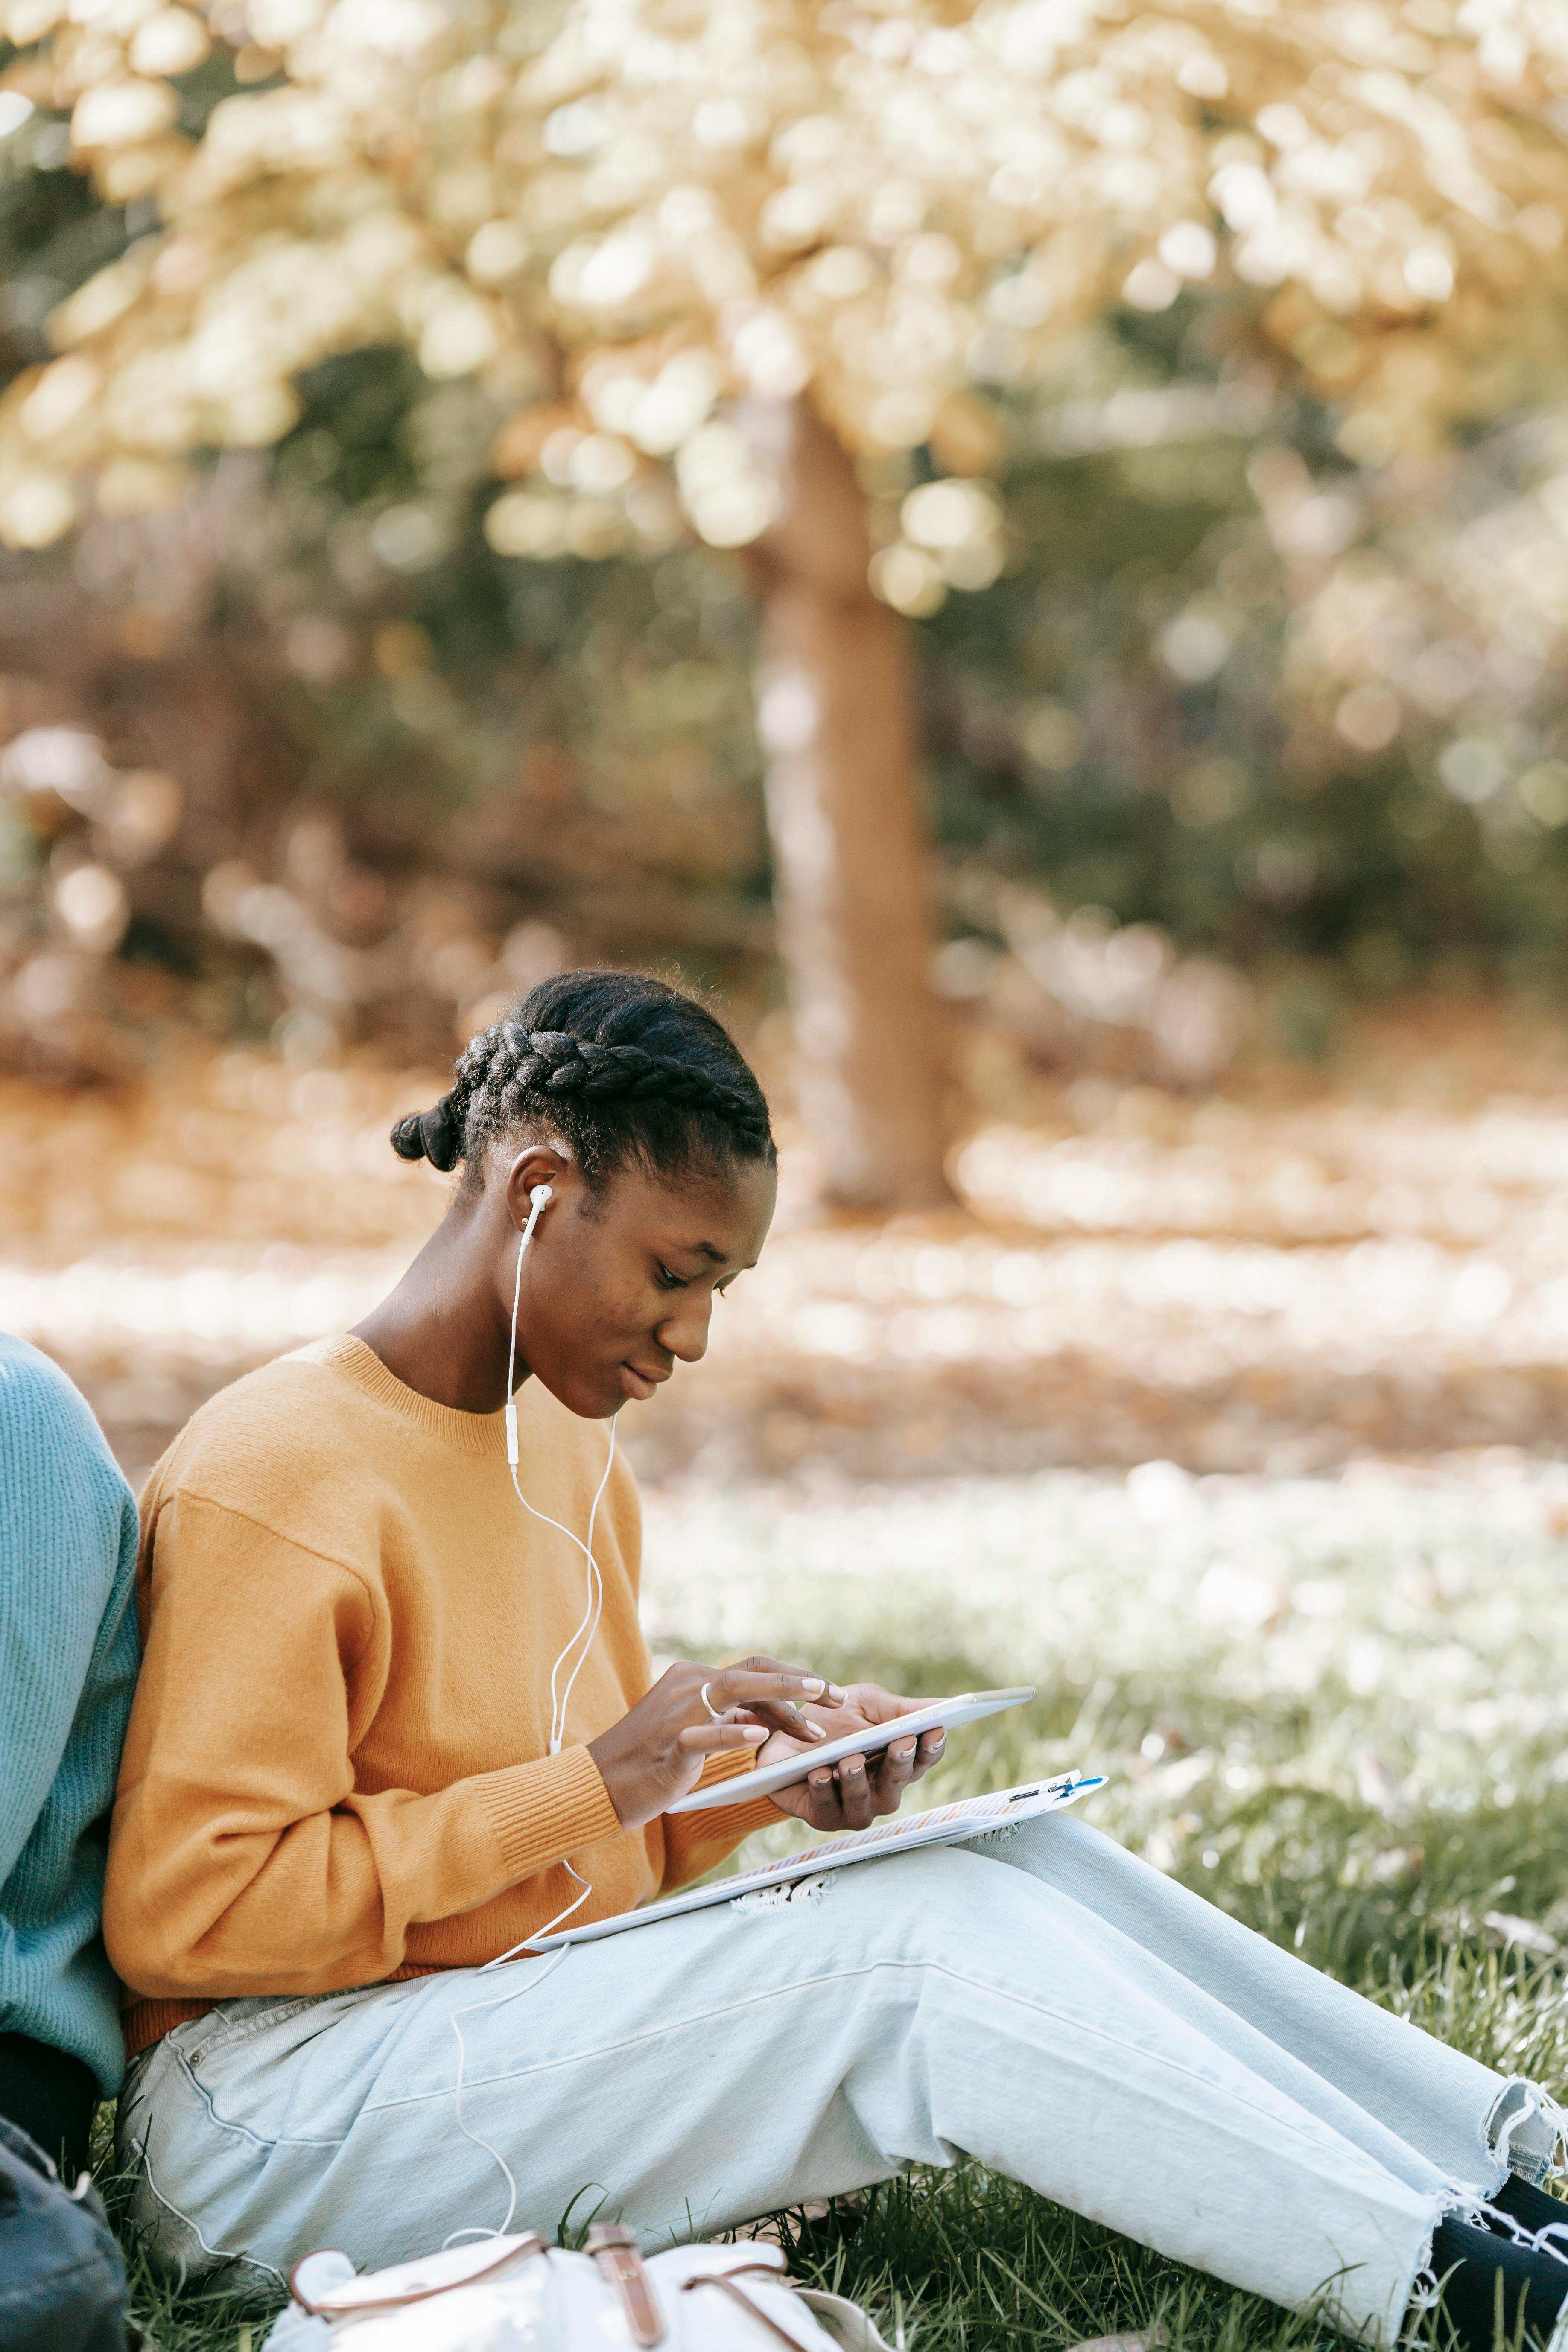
(620, 1066)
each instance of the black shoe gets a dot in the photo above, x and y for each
(1489, 2282)
(1532, 2208)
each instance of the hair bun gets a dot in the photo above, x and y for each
(406, 1139)
(430, 1135)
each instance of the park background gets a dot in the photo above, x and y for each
(1022, 548)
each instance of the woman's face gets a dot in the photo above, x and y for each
(618, 1286)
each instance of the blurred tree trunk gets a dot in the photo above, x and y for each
(836, 714)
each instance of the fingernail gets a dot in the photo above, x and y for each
(835, 1695)
(753, 1734)
(852, 1764)
(814, 1685)
(816, 1729)
(905, 1752)
(822, 1779)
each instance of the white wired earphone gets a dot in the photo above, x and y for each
(539, 1198)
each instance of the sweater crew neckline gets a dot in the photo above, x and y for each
(470, 1433)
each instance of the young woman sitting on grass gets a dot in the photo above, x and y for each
(373, 1747)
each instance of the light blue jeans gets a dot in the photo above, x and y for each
(1049, 2004)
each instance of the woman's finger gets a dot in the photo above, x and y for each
(713, 1738)
(822, 1794)
(894, 1774)
(771, 1699)
(746, 1685)
(780, 1719)
(832, 1695)
(855, 1795)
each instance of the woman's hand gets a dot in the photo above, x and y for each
(654, 1756)
(850, 1794)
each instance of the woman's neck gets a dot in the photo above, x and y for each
(442, 1331)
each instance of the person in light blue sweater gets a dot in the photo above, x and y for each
(69, 1654)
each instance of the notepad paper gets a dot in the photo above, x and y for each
(970, 1817)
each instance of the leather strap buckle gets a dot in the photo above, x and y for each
(615, 2251)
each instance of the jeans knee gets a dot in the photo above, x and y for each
(969, 1906)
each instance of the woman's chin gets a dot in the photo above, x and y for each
(590, 1398)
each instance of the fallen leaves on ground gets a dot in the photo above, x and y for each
(1284, 1277)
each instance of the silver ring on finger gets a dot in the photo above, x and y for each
(716, 1713)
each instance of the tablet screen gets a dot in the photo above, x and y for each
(945, 1714)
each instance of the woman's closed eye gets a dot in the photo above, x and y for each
(668, 1281)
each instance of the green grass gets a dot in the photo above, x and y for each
(967, 2261)
(1340, 1709)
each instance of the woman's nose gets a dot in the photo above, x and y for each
(684, 1330)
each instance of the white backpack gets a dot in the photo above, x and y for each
(518, 2294)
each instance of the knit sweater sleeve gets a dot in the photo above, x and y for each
(243, 1859)
(67, 1661)
(59, 1556)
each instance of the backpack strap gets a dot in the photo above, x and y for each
(737, 2294)
(615, 2251)
(352, 2298)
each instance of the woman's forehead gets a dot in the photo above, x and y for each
(720, 1212)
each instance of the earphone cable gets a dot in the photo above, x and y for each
(589, 1621)
(593, 1604)
(595, 1612)
(535, 1977)
(549, 1927)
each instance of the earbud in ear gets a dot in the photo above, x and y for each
(541, 1195)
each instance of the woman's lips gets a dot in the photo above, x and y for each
(640, 1386)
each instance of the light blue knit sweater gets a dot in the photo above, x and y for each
(68, 1654)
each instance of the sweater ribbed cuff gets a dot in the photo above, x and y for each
(146, 2021)
(542, 1812)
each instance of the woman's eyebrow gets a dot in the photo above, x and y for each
(711, 1250)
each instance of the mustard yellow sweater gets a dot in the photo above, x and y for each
(337, 1770)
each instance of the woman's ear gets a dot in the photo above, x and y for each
(541, 1165)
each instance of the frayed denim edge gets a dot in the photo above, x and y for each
(1499, 2129)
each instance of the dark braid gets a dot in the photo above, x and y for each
(620, 1066)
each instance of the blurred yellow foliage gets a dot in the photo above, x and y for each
(881, 205)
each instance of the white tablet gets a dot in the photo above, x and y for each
(945, 1715)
